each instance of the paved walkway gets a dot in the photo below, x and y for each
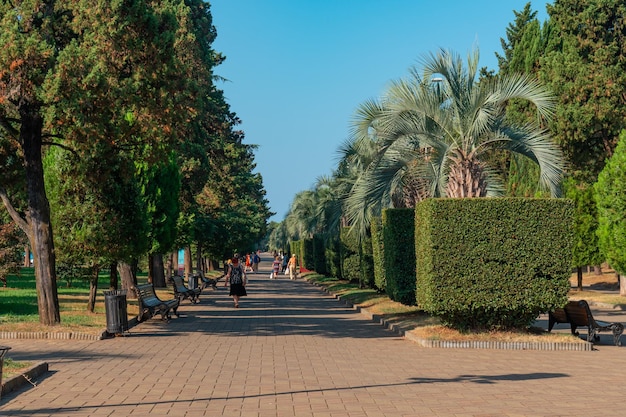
(292, 350)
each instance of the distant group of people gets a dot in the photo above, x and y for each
(281, 264)
(236, 269)
(252, 262)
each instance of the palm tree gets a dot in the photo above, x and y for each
(434, 131)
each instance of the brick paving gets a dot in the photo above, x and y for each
(292, 350)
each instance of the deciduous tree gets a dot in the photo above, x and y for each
(611, 199)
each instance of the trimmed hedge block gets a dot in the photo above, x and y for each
(493, 263)
(399, 263)
(378, 250)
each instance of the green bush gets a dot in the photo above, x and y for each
(378, 249)
(320, 255)
(367, 263)
(399, 261)
(350, 263)
(352, 268)
(295, 247)
(333, 259)
(308, 254)
(492, 263)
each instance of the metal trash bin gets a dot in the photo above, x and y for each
(116, 312)
(3, 351)
(192, 282)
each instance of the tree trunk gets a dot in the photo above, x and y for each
(622, 285)
(466, 178)
(129, 281)
(27, 256)
(39, 230)
(113, 276)
(579, 271)
(93, 290)
(156, 270)
(175, 262)
(188, 262)
(168, 267)
(597, 269)
(199, 257)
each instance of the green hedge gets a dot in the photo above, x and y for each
(378, 249)
(333, 258)
(350, 260)
(319, 262)
(492, 263)
(399, 261)
(295, 246)
(308, 254)
(367, 263)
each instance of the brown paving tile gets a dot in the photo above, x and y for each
(291, 351)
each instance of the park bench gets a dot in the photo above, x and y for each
(577, 314)
(208, 282)
(150, 304)
(182, 292)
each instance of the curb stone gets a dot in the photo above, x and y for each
(16, 382)
(65, 335)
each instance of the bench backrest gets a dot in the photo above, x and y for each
(559, 316)
(578, 313)
(179, 285)
(147, 296)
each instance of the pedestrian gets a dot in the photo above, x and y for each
(237, 279)
(292, 267)
(248, 263)
(256, 259)
(284, 265)
(275, 267)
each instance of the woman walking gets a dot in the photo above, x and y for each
(292, 267)
(275, 267)
(236, 277)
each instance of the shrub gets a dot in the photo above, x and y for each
(308, 254)
(378, 249)
(350, 263)
(367, 263)
(333, 259)
(492, 263)
(320, 255)
(399, 263)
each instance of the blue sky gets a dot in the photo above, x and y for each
(298, 69)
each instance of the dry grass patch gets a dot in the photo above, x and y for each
(439, 332)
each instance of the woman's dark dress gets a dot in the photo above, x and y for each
(236, 282)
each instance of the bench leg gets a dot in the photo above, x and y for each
(618, 329)
(165, 313)
(551, 322)
(592, 335)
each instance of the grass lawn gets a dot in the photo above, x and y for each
(19, 309)
(12, 368)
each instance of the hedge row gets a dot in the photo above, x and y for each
(476, 263)
(399, 261)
